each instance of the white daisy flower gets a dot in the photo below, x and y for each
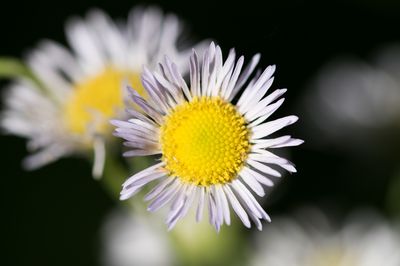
(364, 240)
(211, 148)
(83, 88)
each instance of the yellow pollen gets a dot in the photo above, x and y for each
(205, 141)
(96, 99)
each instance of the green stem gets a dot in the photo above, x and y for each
(114, 175)
(15, 68)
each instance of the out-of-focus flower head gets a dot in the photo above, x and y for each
(134, 239)
(81, 89)
(351, 101)
(215, 151)
(137, 239)
(311, 239)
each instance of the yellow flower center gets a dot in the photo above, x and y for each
(205, 141)
(97, 99)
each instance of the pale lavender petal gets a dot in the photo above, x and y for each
(245, 75)
(227, 92)
(268, 128)
(237, 207)
(158, 188)
(224, 204)
(200, 206)
(252, 183)
(259, 177)
(148, 171)
(263, 168)
(164, 197)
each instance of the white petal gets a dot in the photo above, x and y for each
(253, 100)
(237, 207)
(268, 157)
(252, 183)
(145, 172)
(177, 204)
(158, 188)
(243, 197)
(84, 42)
(200, 206)
(146, 152)
(165, 196)
(245, 75)
(251, 91)
(261, 112)
(45, 156)
(212, 211)
(195, 74)
(224, 204)
(205, 73)
(218, 61)
(232, 83)
(268, 128)
(146, 179)
(263, 168)
(218, 205)
(259, 177)
(187, 202)
(190, 195)
(240, 188)
(291, 142)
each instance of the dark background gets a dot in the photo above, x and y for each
(51, 216)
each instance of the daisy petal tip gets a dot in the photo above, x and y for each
(293, 119)
(218, 229)
(114, 122)
(170, 227)
(259, 227)
(126, 154)
(247, 224)
(131, 91)
(291, 169)
(124, 196)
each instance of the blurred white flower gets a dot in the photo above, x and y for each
(364, 240)
(83, 88)
(132, 239)
(351, 99)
